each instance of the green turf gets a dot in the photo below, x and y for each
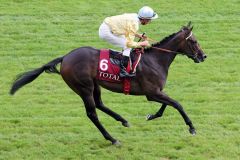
(46, 120)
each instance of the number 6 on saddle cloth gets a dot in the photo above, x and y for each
(108, 67)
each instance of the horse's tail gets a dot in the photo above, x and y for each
(27, 77)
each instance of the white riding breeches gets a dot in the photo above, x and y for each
(106, 34)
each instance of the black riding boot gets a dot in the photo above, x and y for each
(123, 66)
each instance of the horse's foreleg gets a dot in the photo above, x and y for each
(99, 104)
(158, 114)
(163, 98)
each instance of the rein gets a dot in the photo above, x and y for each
(165, 50)
(170, 51)
(160, 49)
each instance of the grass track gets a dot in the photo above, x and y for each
(46, 120)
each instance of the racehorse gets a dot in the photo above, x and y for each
(79, 69)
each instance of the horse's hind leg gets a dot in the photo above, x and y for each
(92, 115)
(84, 88)
(99, 104)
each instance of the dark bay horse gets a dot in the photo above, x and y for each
(79, 69)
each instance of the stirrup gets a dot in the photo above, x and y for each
(125, 74)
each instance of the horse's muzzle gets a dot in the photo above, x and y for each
(200, 58)
(203, 57)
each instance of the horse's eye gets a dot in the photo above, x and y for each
(193, 41)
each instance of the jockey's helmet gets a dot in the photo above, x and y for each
(147, 13)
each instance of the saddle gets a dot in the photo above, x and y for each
(108, 67)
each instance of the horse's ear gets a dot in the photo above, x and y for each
(188, 27)
(189, 24)
(191, 28)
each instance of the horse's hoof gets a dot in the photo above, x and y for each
(116, 143)
(149, 117)
(125, 124)
(192, 131)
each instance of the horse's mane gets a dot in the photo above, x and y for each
(166, 39)
(163, 41)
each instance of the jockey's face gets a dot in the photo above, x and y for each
(145, 21)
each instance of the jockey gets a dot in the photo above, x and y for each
(121, 30)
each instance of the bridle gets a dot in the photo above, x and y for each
(190, 46)
(189, 36)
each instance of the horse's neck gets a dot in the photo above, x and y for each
(166, 58)
(163, 58)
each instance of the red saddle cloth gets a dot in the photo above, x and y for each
(108, 71)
